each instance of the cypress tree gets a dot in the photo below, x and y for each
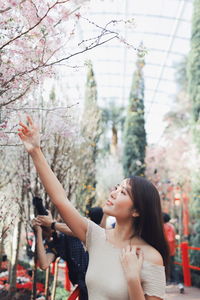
(134, 130)
(91, 131)
(194, 63)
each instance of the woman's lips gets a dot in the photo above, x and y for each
(109, 203)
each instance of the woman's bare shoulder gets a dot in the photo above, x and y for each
(152, 255)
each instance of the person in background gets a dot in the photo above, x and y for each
(66, 246)
(170, 234)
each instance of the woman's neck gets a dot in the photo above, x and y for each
(123, 232)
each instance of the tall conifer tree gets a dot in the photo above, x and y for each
(91, 131)
(194, 63)
(134, 131)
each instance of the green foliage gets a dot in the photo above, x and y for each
(195, 255)
(195, 203)
(91, 131)
(194, 62)
(61, 293)
(40, 273)
(113, 115)
(113, 121)
(52, 95)
(24, 264)
(194, 93)
(134, 131)
(181, 73)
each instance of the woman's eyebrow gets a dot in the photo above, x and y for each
(127, 190)
(124, 188)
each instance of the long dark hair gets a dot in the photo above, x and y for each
(149, 224)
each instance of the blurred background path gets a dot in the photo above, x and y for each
(191, 293)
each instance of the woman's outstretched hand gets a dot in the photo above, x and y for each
(29, 134)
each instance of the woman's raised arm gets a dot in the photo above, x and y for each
(29, 134)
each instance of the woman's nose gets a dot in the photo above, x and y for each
(113, 194)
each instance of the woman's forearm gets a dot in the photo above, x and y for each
(57, 194)
(135, 289)
(51, 184)
(62, 227)
(43, 258)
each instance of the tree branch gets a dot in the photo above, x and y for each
(16, 98)
(34, 26)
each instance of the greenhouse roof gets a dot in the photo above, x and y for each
(164, 27)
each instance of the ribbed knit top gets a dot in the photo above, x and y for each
(105, 278)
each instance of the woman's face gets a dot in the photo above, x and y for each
(119, 203)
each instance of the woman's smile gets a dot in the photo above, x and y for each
(109, 203)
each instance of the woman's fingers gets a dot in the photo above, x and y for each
(138, 250)
(141, 255)
(36, 222)
(22, 130)
(23, 125)
(43, 221)
(132, 250)
(30, 120)
(21, 135)
(40, 221)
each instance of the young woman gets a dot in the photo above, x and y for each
(126, 262)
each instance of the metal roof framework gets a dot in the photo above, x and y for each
(164, 26)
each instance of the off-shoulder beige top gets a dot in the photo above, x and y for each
(105, 279)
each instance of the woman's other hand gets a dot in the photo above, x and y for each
(36, 225)
(45, 220)
(29, 134)
(132, 260)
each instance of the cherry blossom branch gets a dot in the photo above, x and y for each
(16, 98)
(43, 108)
(44, 65)
(35, 25)
(2, 184)
(4, 216)
(79, 52)
(5, 10)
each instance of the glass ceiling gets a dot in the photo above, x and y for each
(164, 27)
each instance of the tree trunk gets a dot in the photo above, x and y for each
(47, 281)
(1, 248)
(14, 259)
(55, 279)
(34, 288)
(114, 141)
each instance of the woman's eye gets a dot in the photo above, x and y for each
(123, 192)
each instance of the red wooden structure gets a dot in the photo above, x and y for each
(186, 262)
